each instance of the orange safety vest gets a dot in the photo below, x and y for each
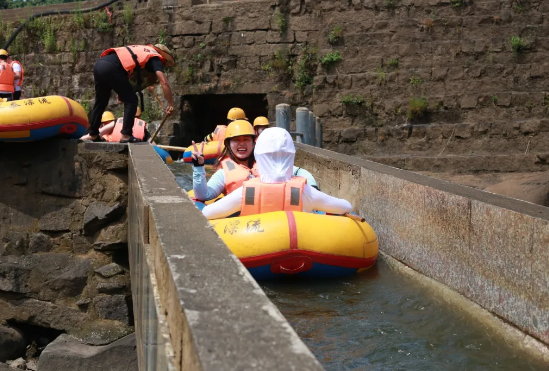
(236, 174)
(258, 197)
(142, 52)
(6, 78)
(138, 130)
(219, 133)
(22, 72)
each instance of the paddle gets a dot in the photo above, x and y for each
(160, 127)
(172, 148)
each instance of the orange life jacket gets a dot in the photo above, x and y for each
(22, 72)
(219, 133)
(142, 52)
(6, 78)
(236, 174)
(116, 134)
(258, 197)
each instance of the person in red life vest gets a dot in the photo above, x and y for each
(276, 189)
(18, 82)
(236, 161)
(219, 133)
(127, 70)
(112, 131)
(7, 76)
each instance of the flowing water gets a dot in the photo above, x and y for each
(381, 320)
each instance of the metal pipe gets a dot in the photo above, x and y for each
(318, 132)
(311, 129)
(302, 124)
(283, 116)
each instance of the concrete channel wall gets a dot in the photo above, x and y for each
(491, 249)
(196, 306)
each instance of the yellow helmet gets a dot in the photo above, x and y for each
(138, 112)
(4, 52)
(261, 121)
(238, 128)
(107, 116)
(236, 114)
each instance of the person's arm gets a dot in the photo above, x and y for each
(298, 171)
(16, 71)
(107, 129)
(203, 190)
(167, 91)
(323, 202)
(225, 207)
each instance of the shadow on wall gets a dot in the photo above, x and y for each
(200, 114)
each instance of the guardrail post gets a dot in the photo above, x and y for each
(318, 132)
(302, 124)
(283, 116)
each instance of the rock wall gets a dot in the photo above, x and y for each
(63, 250)
(467, 72)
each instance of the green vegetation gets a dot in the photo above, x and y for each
(354, 100)
(162, 37)
(518, 44)
(392, 63)
(457, 3)
(335, 34)
(227, 21)
(416, 108)
(305, 68)
(48, 37)
(390, 4)
(518, 7)
(494, 99)
(77, 21)
(101, 21)
(415, 81)
(381, 76)
(330, 59)
(153, 111)
(202, 45)
(280, 20)
(127, 15)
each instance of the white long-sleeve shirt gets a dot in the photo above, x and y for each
(312, 200)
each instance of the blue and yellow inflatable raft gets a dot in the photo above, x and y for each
(285, 243)
(40, 118)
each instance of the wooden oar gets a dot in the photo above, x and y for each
(159, 127)
(355, 217)
(172, 148)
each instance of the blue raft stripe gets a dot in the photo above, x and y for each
(164, 155)
(317, 271)
(49, 132)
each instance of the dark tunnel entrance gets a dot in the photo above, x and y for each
(200, 114)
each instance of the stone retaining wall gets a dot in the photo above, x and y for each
(489, 248)
(456, 54)
(63, 249)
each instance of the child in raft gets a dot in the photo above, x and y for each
(276, 189)
(237, 163)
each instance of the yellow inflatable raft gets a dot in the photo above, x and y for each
(295, 243)
(41, 118)
(212, 150)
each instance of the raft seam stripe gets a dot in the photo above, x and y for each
(293, 230)
(68, 104)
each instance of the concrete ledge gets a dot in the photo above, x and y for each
(218, 317)
(489, 248)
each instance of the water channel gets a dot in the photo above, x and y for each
(381, 320)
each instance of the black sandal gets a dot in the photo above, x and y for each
(131, 140)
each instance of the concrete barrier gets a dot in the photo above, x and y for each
(489, 248)
(196, 306)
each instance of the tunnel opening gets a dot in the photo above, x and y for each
(200, 114)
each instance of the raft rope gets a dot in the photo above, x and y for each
(54, 12)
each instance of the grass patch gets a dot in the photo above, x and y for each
(417, 108)
(518, 44)
(330, 59)
(335, 34)
(352, 100)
